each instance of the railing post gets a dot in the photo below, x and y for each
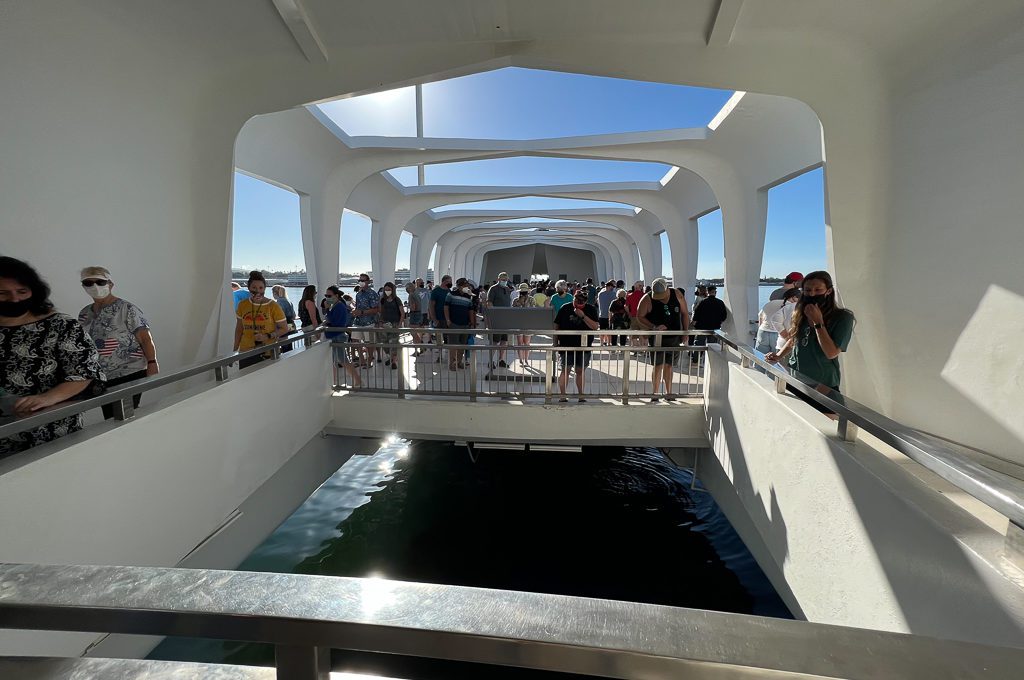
(302, 663)
(780, 385)
(220, 373)
(1014, 545)
(549, 361)
(275, 352)
(124, 409)
(746, 362)
(625, 374)
(398, 356)
(473, 369)
(846, 430)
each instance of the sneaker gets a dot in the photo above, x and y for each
(388, 362)
(502, 364)
(670, 397)
(394, 367)
(563, 400)
(654, 400)
(581, 400)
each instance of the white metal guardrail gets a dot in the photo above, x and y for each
(452, 367)
(306, 616)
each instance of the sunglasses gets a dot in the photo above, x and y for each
(94, 282)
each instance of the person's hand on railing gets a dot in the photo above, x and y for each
(772, 357)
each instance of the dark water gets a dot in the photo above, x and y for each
(610, 523)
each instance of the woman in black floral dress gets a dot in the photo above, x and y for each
(45, 357)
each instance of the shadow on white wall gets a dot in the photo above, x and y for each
(987, 361)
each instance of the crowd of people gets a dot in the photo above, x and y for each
(48, 357)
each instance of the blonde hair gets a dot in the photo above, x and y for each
(96, 271)
(621, 294)
(279, 291)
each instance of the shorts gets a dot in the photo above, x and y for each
(665, 358)
(577, 359)
(416, 319)
(602, 323)
(340, 353)
(369, 335)
(387, 339)
(499, 338)
(661, 358)
(634, 324)
(457, 338)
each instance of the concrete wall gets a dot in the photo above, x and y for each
(489, 421)
(846, 535)
(150, 491)
(577, 264)
(960, 188)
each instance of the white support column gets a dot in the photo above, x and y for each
(383, 251)
(324, 239)
(744, 220)
(414, 252)
(309, 247)
(684, 243)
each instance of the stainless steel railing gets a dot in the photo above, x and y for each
(999, 491)
(121, 396)
(306, 616)
(619, 371)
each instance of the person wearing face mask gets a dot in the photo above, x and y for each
(576, 316)
(365, 315)
(45, 357)
(821, 331)
(460, 314)
(523, 300)
(392, 315)
(259, 321)
(339, 316)
(121, 334)
(500, 295)
(435, 310)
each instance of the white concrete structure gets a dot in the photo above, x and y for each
(121, 124)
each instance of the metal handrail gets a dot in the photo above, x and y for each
(126, 391)
(306, 616)
(999, 491)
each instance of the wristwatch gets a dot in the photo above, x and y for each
(816, 326)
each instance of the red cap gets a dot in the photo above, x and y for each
(793, 277)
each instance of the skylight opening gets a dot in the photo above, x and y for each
(534, 204)
(531, 171)
(519, 104)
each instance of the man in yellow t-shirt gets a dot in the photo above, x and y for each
(259, 321)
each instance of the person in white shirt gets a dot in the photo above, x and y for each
(767, 332)
(782, 319)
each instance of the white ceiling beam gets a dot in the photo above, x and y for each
(298, 21)
(724, 23)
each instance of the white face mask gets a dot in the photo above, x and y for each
(98, 292)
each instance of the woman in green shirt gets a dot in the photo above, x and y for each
(820, 331)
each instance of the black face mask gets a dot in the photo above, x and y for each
(12, 309)
(813, 299)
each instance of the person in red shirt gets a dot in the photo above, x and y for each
(633, 298)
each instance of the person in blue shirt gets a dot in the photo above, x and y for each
(238, 293)
(435, 310)
(339, 315)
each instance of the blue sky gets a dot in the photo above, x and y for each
(524, 104)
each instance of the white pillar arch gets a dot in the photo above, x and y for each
(601, 255)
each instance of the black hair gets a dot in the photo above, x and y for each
(335, 290)
(255, 275)
(791, 293)
(712, 288)
(23, 273)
